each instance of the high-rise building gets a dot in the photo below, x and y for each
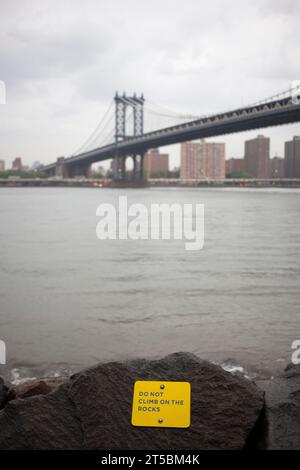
(292, 158)
(201, 160)
(156, 163)
(17, 164)
(257, 157)
(235, 165)
(2, 165)
(277, 167)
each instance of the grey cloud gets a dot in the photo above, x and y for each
(28, 55)
(284, 7)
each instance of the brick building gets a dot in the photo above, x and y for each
(201, 160)
(292, 158)
(156, 163)
(257, 157)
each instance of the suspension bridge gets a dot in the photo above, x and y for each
(130, 127)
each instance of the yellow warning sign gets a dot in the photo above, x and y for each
(161, 404)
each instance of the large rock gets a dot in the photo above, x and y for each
(3, 393)
(281, 424)
(93, 409)
(41, 422)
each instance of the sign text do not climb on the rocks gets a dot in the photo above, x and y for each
(161, 404)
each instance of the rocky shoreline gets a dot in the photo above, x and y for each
(92, 409)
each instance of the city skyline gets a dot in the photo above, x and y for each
(232, 142)
(205, 159)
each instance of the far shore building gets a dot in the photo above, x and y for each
(36, 166)
(257, 157)
(17, 164)
(2, 165)
(202, 160)
(156, 164)
(292, 158)
(277, 167)
(235, 165)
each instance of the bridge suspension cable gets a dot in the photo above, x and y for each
(97, 131)
(153, 108)
(97, 140)
(283, 94)
(109, 136)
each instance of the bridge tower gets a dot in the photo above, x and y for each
(122, 104)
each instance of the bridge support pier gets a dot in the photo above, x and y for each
(61, 170)
(138, 167)
(79, 171)
(119, 168)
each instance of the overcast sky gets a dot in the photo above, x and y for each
(62, 62)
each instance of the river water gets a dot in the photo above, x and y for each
(69, 300)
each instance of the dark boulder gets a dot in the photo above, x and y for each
(280, 428)
(93, 409)
(3, 393)
(41, 422)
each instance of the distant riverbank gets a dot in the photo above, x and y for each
(159, 182)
